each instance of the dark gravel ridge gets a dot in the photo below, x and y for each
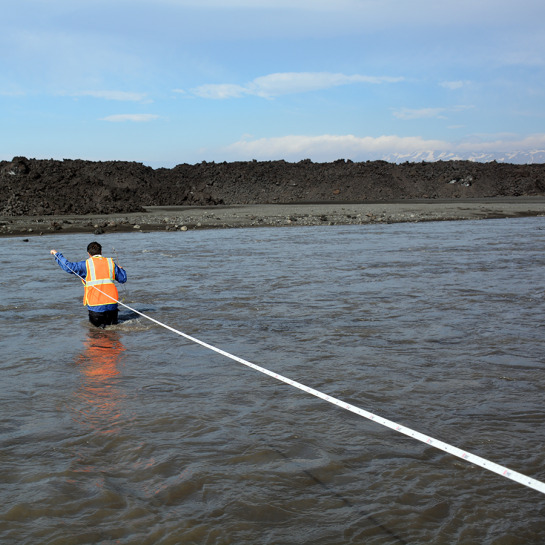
(37, 187)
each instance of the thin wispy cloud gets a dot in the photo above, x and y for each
(113, 95)
(419, 113)
(134, 118)
(264, 4)
(286, 83)
(503, 142)
(453, 85)
(372, 12)
(220, 91)
(427, 113)
(7, 92)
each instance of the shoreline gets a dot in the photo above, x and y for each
(184, 218)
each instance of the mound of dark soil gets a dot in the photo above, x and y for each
(45, 187)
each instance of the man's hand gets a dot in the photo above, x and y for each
(53, 252)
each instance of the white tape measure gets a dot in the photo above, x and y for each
(464, 455)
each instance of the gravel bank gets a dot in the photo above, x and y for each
(180, 218)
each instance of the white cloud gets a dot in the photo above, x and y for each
(220, 91)
(293, 82)
(427, 113)
(421, 113)
(503, 142)
(285, 83)
(329, 147)
(454, 84)
(135, 118)
(112, 95)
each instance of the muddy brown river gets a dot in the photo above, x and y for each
(135, 435)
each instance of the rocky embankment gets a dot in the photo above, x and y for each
(31, 187)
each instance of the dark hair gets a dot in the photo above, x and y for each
(94, 248)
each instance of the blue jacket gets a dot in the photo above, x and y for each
(79, 268)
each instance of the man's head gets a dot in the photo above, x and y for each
(94, 248)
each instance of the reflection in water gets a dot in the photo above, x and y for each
(99, 408)
(98, 395)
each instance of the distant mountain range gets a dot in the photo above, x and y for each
(516, 157)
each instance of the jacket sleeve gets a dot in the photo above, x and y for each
(78, 268)
(120, 275)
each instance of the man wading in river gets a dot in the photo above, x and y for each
(99, 274)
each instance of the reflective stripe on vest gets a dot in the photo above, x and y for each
(100, 273)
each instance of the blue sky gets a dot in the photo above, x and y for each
(172, 81)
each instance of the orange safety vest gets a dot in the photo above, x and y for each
(99, 282)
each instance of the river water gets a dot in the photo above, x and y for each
(135, 435)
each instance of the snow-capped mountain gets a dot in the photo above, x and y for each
(516, 157)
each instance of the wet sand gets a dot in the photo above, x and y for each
(183, 218)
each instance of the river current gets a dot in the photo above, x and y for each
(135, 435)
